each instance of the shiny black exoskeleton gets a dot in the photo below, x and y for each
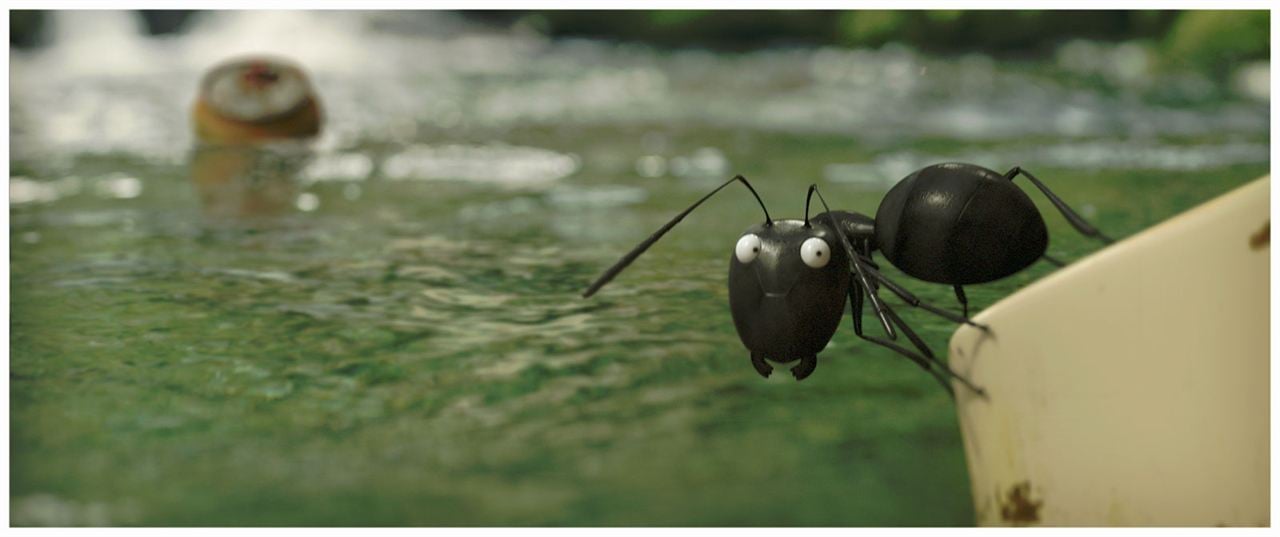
(962, 224)
(787, 288)
(955, 224)
(959, 224)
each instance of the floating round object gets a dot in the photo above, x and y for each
(255, 99)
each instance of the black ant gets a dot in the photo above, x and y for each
(956, 224)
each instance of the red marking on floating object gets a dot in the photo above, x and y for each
(259, 74)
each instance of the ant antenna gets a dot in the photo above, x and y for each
(631, 256)
(767, 221)
(814, 188)
(854, 261)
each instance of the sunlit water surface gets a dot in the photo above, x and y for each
(408, 344)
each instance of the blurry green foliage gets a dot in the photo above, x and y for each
(26, 27)
(681, 28)
(994, 31)
(674, 17)
(872, 27)
(943, 15)
(1212, 41)
(1022, 31)
(1201, 38)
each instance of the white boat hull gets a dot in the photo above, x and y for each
(1133, 386)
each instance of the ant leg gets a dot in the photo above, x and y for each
(762, 367)
(1076, 220)
(928, 353)
(806, 367)
(855, 298)
(876, 304)
(1053, 261)
(855, 294)
(855, 261)
(964, 300)
(913, 301)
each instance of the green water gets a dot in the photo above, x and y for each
(415, 352)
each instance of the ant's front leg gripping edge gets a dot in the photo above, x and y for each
(761, 367)
(806, 367)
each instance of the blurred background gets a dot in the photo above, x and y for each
(403, 342)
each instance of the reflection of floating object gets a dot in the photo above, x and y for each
(255, 99)
(242, 181)
(1132, 387)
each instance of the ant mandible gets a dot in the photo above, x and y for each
(956, 224)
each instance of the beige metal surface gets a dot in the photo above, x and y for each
(1133, 386)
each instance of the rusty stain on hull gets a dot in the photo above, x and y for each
(1018, 508)
(1262, 237)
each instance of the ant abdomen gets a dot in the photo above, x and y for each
(959, 224)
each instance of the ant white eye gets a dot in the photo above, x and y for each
(815, 252)
(748, 248)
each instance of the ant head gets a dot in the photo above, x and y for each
(787, 286)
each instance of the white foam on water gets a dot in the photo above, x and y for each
(494, 163)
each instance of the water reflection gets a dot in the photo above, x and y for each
(886, 169)
(235, 182)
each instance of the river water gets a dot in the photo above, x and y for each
(406, 345)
